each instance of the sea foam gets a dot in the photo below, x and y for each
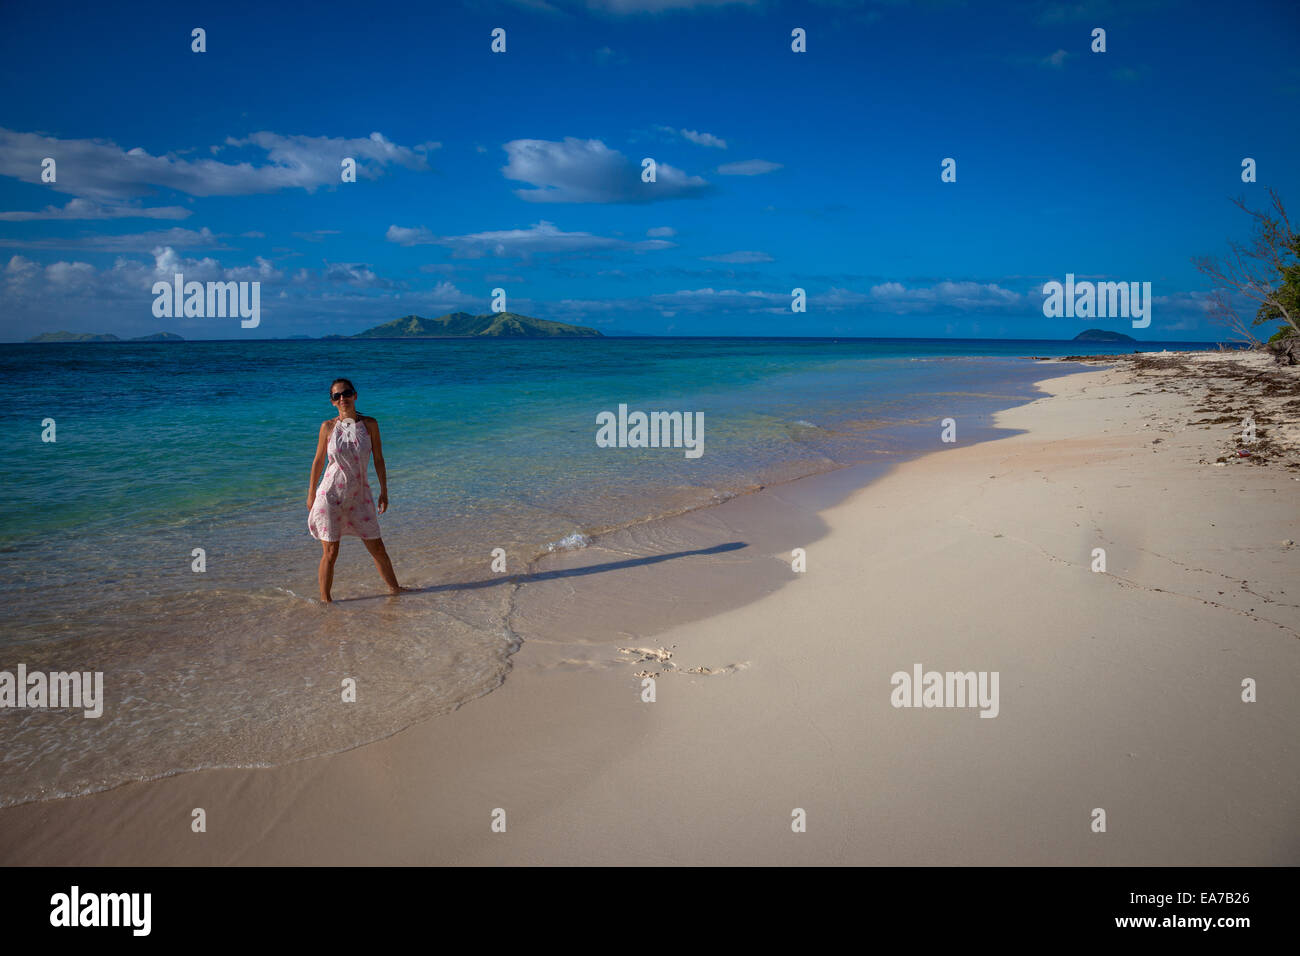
(570, 542)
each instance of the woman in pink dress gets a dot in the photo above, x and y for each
(340, 503)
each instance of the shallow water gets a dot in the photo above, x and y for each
(162, 449)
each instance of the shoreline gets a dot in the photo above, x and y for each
(448, 640)
(589, 773)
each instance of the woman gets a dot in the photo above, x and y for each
(343, 504)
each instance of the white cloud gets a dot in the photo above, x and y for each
(588, 171)
(701, 300)
(540, 238)
(704, 139)
(744, 256)
(85, 209)
(127, 280)
(104, 171)
(140, 241)
(69, 273)
(588, 305)
(897, 298)
(699, 139)
(891, 297)
(20, 268)
(404, 236)
(341, 297)
(356, 274)
(749, 167)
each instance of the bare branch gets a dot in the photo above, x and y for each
(1256, 271)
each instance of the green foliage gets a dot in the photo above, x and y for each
(1288, 293)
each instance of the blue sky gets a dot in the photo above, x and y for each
(776, 170)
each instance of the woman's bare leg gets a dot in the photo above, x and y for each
(325, 574)
(377, 551)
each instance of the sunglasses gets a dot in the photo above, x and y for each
(346, 393)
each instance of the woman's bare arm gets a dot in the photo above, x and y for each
(318, 463)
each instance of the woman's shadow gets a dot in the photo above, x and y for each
(576, 572)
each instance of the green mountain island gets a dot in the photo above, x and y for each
(1101, 335)
(463, 325)
(103, 337)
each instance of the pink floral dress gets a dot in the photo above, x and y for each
(343, 502)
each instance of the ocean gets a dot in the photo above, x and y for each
(162, 449)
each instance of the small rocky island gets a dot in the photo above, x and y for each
(1102, 335)
(103, 337)
(463, 325)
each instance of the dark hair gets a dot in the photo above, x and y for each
(348, 382)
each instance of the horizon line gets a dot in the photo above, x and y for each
(622, 335)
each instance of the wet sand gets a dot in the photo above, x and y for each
(1118, 690)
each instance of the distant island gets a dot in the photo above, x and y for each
(1101, 335)
(464, 325)
(103, 337)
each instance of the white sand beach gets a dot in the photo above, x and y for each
(1119, 690)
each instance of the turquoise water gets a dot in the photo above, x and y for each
(150, 435)
(162, 449)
